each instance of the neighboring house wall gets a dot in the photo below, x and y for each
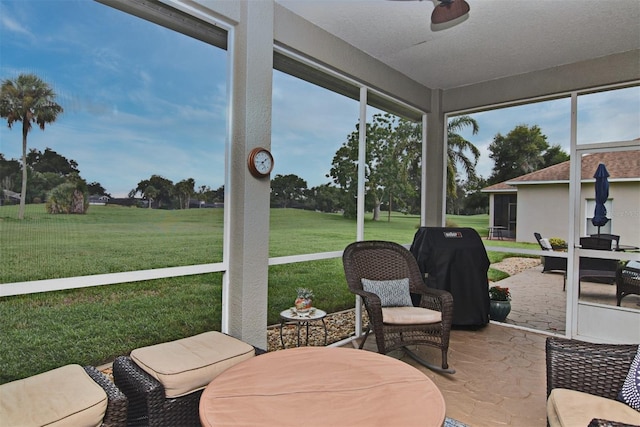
(544, 208)
(625, 210)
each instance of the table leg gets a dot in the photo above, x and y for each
(298, 328)
(325, 331)
(281, 338)
(308, 332)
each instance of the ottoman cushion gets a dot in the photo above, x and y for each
(189, 364)
(66, 396)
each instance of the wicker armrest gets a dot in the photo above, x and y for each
(371, 301)
(116, 413)
(436, 299)
(142, 390)
(598, 369)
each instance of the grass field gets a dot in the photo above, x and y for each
(93, 325)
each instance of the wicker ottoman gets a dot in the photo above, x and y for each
(164, 382)
(67, 396)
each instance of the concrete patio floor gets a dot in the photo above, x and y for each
(539, 302)
(500, 377)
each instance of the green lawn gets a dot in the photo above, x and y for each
(93, 325)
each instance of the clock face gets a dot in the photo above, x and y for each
(263, 162)
(260, 162)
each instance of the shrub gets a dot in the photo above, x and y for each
(67, 198)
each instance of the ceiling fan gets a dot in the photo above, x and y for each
(448, 10)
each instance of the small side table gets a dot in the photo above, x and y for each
(300, 320)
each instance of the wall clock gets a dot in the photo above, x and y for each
(260, 162)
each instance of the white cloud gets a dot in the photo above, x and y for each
(13, 26)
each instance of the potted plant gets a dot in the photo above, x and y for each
(499, 303)
(558, 244)
(304, 300)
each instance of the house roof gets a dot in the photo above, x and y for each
(621, 165)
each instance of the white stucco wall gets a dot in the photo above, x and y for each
(544, 208)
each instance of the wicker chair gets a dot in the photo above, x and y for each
(627, 282)
(598, 369)
(116, 413)
(551, 263)
(148, 405)
(599, 270)
(381, 261)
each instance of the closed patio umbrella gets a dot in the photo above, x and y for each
(602, 194)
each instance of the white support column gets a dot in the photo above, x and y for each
(434, 168)
(575, 166)
(245, 286)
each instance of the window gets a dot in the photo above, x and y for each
(592, 229)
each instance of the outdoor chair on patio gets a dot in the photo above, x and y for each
(164, 382)
(600, 270)
(68, 395)
(627, 281)
(611, 238)
(584, 381)
(550, 263)
(386, 275)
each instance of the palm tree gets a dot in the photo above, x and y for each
(457, 147)
(27, 99)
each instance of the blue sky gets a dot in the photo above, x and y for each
(141, 100)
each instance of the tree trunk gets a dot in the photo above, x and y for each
(23, 191)
(77, 204)
(376, 212)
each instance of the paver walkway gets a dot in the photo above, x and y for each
(539, 302)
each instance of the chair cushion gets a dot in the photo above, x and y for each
(189, 364)
(546, 244)
(392, 293)
(575, 408)
(630, 393)
(66, 396)
(410, 315)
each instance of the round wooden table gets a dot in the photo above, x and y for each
(322, 386)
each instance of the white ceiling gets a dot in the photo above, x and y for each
(499, 38)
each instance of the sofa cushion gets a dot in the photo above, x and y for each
(66, 396)
(189, 364)
(630, 393)
(392, 293)
(410, 315)
(573, 408)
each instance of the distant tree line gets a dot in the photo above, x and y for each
(392, 167)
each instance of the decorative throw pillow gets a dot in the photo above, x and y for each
(546, 244)
(392, 293)
(630, 393)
